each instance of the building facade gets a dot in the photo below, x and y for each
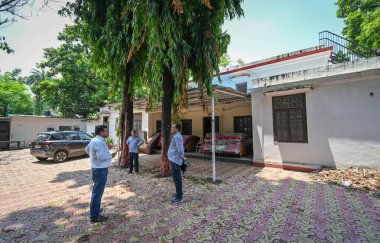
(233, 112)
(26, 128)
(327, 116)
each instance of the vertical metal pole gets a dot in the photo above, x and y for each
(213, 140)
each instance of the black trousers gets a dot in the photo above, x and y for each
(133, 157)
(177, 179)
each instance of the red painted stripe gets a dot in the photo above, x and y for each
(277, 60)
(284, 167)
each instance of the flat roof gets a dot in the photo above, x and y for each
(343, 71)
(33, 116)
(279, 58)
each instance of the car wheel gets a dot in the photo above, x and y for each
(41, 158)
(60, 156)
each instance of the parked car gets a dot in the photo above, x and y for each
(228, 143)
(59, 145)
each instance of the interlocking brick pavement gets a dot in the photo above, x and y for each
(48, 202)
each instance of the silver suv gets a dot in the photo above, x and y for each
(59, 145)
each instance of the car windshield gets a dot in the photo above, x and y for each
(42, 137)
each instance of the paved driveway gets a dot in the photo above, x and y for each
(48, 202)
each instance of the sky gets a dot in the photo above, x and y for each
(269, 28)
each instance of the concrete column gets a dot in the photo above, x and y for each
(257, 127)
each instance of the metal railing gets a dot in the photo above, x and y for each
(344, 50)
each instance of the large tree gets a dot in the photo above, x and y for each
(362, 20)
(71, 86)
(14, 96)
(171, 40)
(107, 29)
(184, 39)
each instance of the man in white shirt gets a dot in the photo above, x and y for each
(101, 158)
(176, 155)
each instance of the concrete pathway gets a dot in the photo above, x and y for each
(48, 202)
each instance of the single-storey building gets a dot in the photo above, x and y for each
(328, 116)
(233, 107)
(25, 128)
(298, 108)
(233, 114)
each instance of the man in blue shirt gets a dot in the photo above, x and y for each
(133, 143)
(101, 158)
(176, 155)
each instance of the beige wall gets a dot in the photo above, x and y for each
(152, 118)
(226, 113)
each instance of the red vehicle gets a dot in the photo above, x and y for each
(154, 143)
(229, 143)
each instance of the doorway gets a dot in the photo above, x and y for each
(207, 125)
(4, 133)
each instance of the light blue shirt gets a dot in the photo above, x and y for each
(99, 154)
(134, 143)
(176, 150)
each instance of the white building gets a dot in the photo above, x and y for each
(26, 128)
(238, 78)
(328, 116)
(109, 116)
(325, 114)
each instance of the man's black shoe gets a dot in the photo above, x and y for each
(99, 219)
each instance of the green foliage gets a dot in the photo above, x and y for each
(183, 36)
(14, 96)
(362, 19)
(70, 85)
(35, 78)
(109, 141)
(4, 46)
(224, 60)
(107, 29)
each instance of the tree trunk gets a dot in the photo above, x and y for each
(128, 116)
(168, 85)
(122, 123)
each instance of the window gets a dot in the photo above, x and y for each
(84, 136)
(137, 125)
(76, 128)
(243, 124)
(242, 87)
(207, 125)
(56, 137)
(50, 129)
(187, 127)
(158, 126)
(105, 121)
(65, 128)
(42, 138)
(71, 136)
(289, 118)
